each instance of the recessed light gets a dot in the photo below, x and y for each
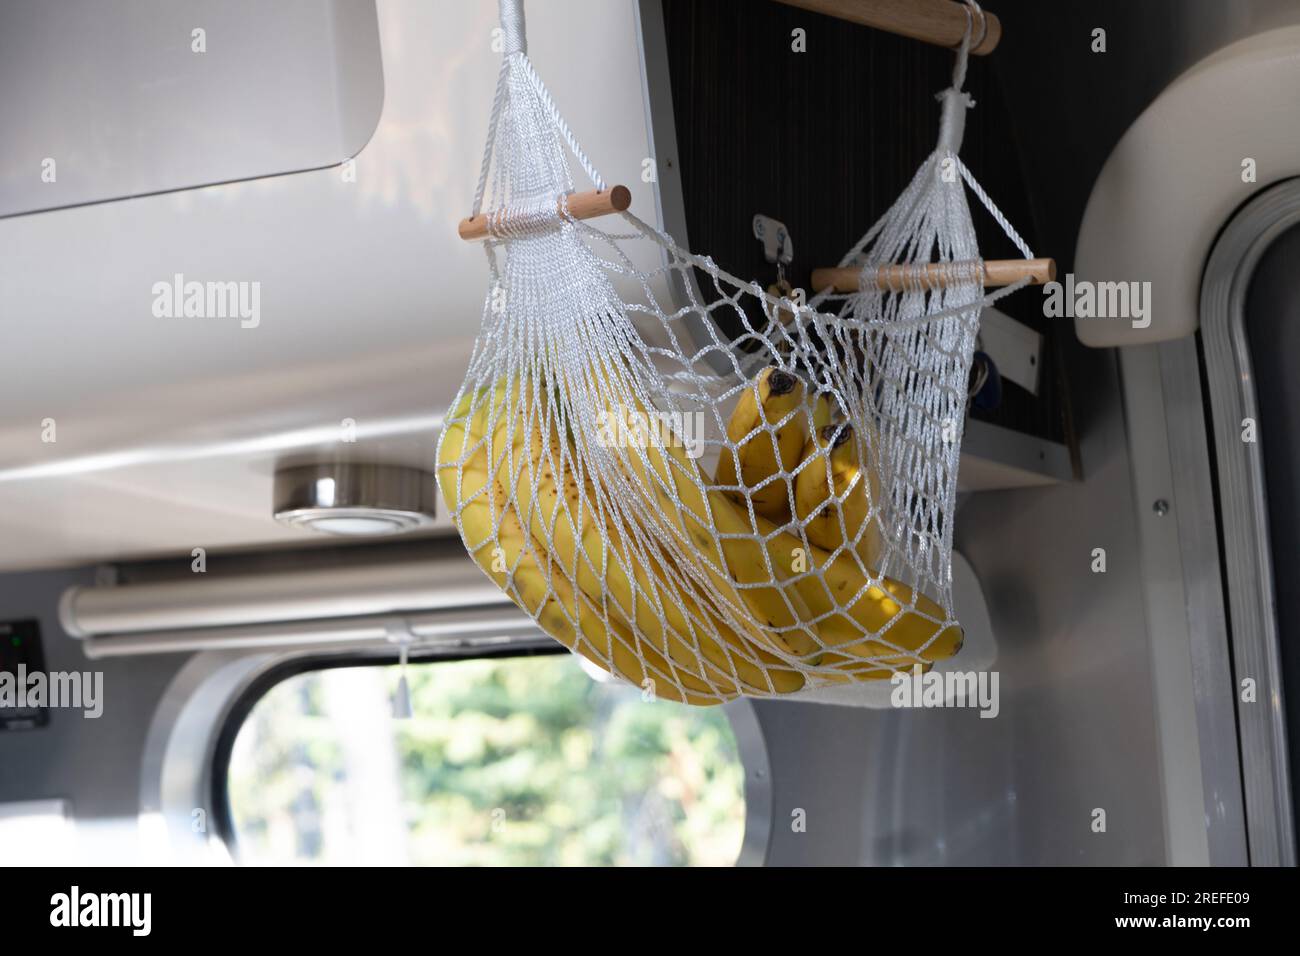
(354, 500)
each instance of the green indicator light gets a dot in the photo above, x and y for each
(16, 641)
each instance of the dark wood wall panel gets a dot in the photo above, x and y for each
(826, 140)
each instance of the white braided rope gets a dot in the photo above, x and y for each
(574, 146)
(494, 119)
(993, 210)
(514, 63)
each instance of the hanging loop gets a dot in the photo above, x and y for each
(963, 51)
(952, 125)
(972, 7)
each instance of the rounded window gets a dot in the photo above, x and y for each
(504, 761)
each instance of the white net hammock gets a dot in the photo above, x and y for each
(722, 495)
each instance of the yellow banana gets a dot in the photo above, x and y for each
(734, 568)
(847, 607)
(609, 642)
(596, 557)
(769, 567)
(521, 566)
(823, 414)
(834, 496)
(767, 429)
(538, 462)
(596, 597)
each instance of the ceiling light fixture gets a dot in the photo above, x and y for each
(354, 500)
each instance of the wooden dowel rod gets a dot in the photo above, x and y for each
(588, 205)
(941, 22)
(997, 272)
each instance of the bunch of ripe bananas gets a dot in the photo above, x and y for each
(655, 572)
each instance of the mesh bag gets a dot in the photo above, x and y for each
(766, 511)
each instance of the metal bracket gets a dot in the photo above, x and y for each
(1016, 349)
(775, 237)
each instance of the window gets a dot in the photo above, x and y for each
(506, 761)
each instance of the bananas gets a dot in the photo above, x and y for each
(834, 496)
(768, 429)
(666, 614)
(834, 607)
(636, 561)
(586, 601)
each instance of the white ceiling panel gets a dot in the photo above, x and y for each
(169, 429)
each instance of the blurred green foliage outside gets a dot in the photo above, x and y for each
(515, 761)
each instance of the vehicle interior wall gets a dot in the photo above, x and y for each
(94, 764)
(1076, 730)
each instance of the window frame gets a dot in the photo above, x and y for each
(750, 746)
